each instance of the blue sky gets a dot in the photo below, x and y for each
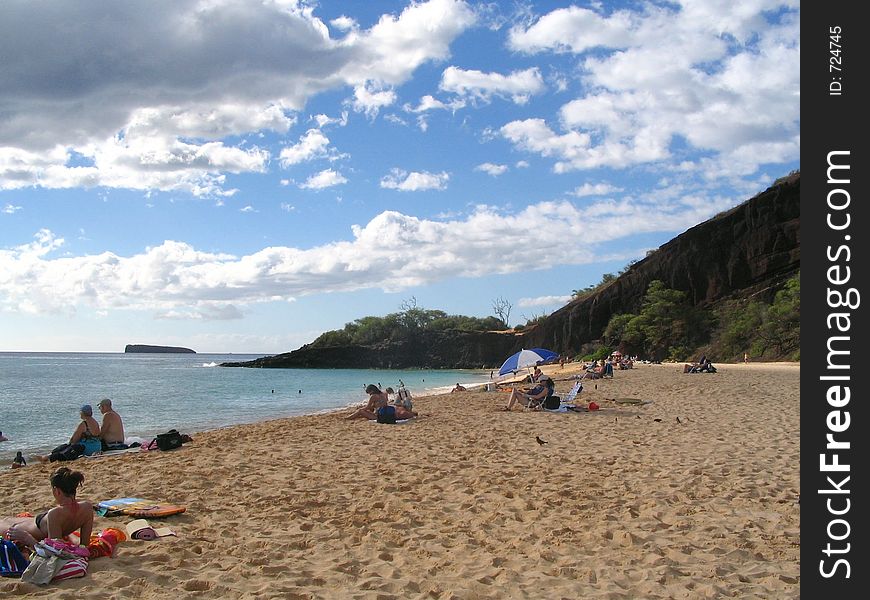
(239, 176)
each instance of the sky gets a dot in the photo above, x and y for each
(241, 176)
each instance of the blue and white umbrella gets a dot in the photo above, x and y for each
(525, 359)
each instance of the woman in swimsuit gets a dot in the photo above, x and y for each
(377, 399)
(87, 428)
(70, 515)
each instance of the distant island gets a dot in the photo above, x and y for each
(145, 349)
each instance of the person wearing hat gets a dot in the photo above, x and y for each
(88, 427)
(533, 397)
(112, 429)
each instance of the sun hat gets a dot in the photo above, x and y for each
(87, 410)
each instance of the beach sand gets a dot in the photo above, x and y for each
(464, 503)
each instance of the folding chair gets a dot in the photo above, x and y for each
(572, 393)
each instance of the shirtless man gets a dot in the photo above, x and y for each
(112, 430)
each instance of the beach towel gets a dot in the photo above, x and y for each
(137, 507)
(12, 562)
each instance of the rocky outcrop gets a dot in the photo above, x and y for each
(145, 349)
(436, 350)
(746, 252)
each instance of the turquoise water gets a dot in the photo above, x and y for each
(41, 393)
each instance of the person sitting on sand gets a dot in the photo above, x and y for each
(532, 397)
(596, 370)
(69, 516)
(88, 428)
(378, 399)
(18, 461)
(112, 429)
(458, 388)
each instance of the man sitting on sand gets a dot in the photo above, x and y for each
(533, 397)
(112, 430)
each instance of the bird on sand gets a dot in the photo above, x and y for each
(540, 441)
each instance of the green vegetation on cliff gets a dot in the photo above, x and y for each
(394, 327)
(669, 327)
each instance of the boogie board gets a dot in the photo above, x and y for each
(635, 401)
(137, 507)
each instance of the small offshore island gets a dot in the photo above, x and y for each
(146, 349)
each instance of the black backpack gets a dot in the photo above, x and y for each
(552, 402)
(168, 441)
(387, 414)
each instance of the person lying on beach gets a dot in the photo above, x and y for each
(532, 397)
(87, 429)
(69, 516)
(112, 429)
(377, 399)
(458, 388)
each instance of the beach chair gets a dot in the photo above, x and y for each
(572, 393)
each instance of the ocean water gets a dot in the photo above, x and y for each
(41, 393)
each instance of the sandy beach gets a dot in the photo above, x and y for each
(692, 496)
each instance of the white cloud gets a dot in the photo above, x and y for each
(311, 145)
(721, 77)
(247, 209)
(176, 280)
(595, 189)
(371, 101)
(11, 209)
(151, 113)
(326, 121)
(519, 86)
(414, 182)
(323, 179)
(492, 169)
(542, 301)
(571, 29)
(428, 103)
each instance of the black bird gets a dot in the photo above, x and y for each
(540, 441)
(678, 420)
(657, 420)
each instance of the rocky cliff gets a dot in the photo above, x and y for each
(748, 251)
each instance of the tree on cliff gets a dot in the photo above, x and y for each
(765, 331)
(668, 326)
(502, 309)
(404, 325)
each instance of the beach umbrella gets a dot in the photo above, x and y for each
(525, 359)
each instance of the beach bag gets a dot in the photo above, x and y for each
(12, 562)
(552, 402)
(66, 452)
(387, 414)
(54, 561)
(91, 445)
(169, 440)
